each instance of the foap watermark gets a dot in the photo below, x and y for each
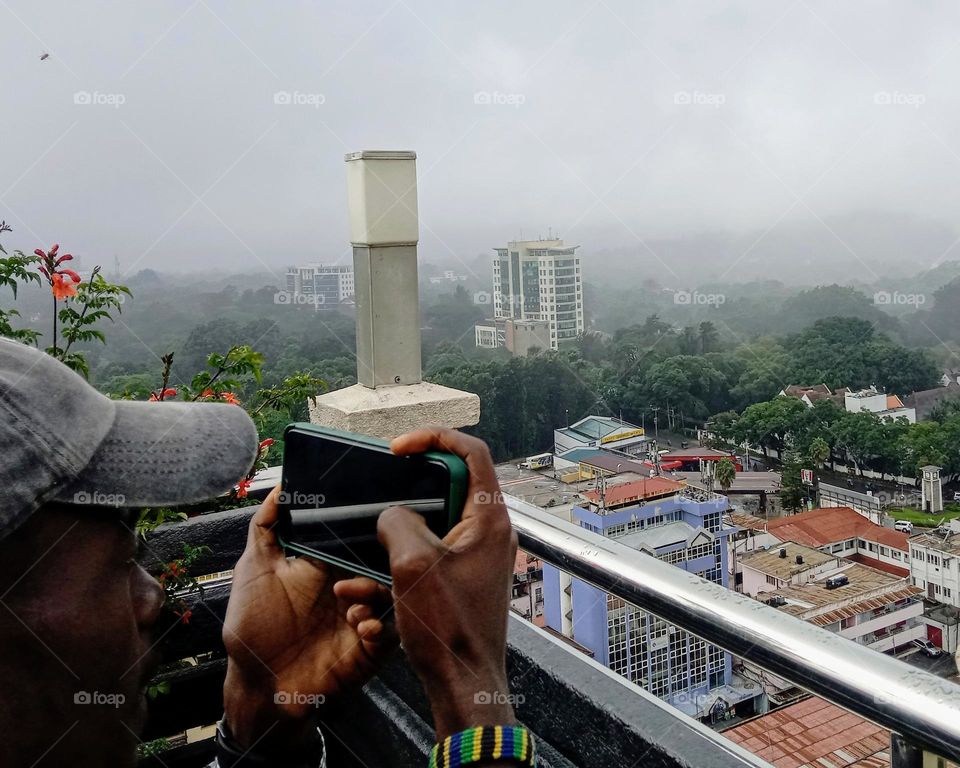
(897, 299)
(289, 297)
(298, 698)
(498, 99)
(99, 499)
(301, 500)
(498, 697)
(899, 99)
(699, 99)
(99, 699)
(483, 297)
(698, 298)
(485, 497)
(299, 99)
(99, 99)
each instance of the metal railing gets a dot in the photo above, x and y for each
(921, 709)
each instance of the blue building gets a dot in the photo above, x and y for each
(680, 525)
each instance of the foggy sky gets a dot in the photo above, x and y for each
(800, 114)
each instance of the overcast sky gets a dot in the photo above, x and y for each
(611, 122)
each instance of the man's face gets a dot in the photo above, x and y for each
(76, 619)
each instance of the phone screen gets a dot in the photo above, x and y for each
(334, 489)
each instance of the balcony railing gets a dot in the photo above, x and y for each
(582, 713)
(922, 710)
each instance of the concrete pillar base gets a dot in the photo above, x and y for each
(390, 411)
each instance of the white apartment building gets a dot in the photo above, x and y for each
(880, 403)
(935, 564)
(540, 280)
(322, 285)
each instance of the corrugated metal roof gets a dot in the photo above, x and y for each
(871, 604)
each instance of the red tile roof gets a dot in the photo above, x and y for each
(637, 490)
(893, 402)
(813, 731)
(828, 525)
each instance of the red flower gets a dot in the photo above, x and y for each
(229, 397)
(243, 487)
(62, 289)
(267, 443)
(168, 392)
(71, 274)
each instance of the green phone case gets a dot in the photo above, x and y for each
(456, 467)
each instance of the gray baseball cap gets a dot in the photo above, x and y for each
(61, 440)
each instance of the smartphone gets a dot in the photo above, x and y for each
(335, 484)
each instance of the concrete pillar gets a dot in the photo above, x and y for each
(390, 398)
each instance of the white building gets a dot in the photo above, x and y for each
(323, 286)
(872, 608)
(540, 280)
(880, 403)
(935, 564)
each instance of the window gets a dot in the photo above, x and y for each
(884, 552)
(773, 580)
(848, 622)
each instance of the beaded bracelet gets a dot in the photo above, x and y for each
(511, 744)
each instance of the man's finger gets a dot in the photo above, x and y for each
(362, 590)
(471, 449)
(410, 543)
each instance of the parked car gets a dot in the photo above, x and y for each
(904, 526)
(956, 495)
(928, 649)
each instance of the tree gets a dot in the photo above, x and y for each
(818, 452)
(726, 473)
(793, 493)
(771, 424)
(709, 338)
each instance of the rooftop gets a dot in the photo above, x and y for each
(695, 452)
(596, 427)
(638, 490)
(943, 542)
(769, 561)
(865, 582)
(862, 606)
(611, 462)
(828, 525)
(660, 536)
(814, 732)
(745, 520)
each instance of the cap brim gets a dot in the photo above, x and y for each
(165, 454)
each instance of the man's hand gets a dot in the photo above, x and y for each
(451, 596)
(295, 638)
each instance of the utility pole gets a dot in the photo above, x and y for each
(656, 423)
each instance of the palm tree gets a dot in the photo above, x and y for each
(819, 451)
(726, 473)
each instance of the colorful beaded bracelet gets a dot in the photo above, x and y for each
(511, 744)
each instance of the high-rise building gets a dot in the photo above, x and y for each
(540, 280)
(322, 285)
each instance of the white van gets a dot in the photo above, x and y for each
(904, 526)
